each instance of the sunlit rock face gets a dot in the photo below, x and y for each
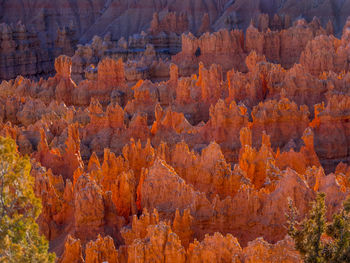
(162, 131)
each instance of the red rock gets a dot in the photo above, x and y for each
(123, 194)
(332, 120)
(182, 227)
(138, 157)
(159, 245)
(146, 97)
(65, 85)
(256, 164)
(66, 40)
(324, 54)
(21, 52)
(110, 74)
(72, 251)
(170, 23)
(215, 248)
(63, 67)
(101, 250)
(299, 161)
(269, 115)
(285, 46)
(205, 26)
(56, 160)
(179, 196)
(225, 121)
(88, 208)
(139, 226)
(223, 47)
(170, 122)
(260, 251)
(214, 153)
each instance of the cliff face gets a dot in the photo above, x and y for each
(103, 15)
(170, 23)
(223, 47)
(21, 53)
(283, 46)
(57, 27)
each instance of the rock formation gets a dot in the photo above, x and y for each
(170, 23)
(21, 53)
(223, 47)
(181, 143)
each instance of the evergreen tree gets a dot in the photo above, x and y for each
(319, 241)
(339, 231)
(20, 240)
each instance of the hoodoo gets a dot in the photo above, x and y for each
(174, 131)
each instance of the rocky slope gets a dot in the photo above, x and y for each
(57, 26)
(99, 17)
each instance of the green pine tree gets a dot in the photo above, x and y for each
(20, 240)
(308, 234)
(339, 231)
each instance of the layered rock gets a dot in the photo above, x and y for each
(57, 28)
(329, 53)
(300, 161)
(170, 23)
(21, 53)
(203, 209)
(276, 117)
(223, 47)
(72, 251)
(284, 47)
(260, 251)
(101, 250)
(332, 120)
(66, 41)
(216, 248)
(212, 155)
(58, 161)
